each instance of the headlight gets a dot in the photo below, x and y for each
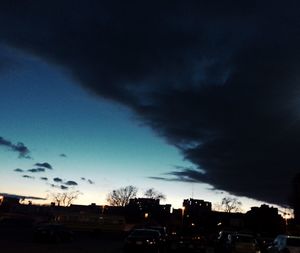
(196, 238)
(150, 242)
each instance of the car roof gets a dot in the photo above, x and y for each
(243, 234)
(289, 236)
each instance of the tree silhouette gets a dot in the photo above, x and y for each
(229, 205)
(64, 198)
(153, 194)
(121, 196)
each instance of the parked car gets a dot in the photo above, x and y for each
(264, 242)
(52, 233)
(162, 230)
(143, 240)
(163, 237)
(242, 243)
(285, 244)
(187, 240)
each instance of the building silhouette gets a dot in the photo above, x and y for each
(195, 214)
(265, 220)
(147, 210)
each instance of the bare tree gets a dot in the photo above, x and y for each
(230, 205)
(64, 198)
(121, 196)
(153, 194)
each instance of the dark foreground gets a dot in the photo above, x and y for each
(21, 240)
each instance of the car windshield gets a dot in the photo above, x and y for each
(161, 230)
(293, 241)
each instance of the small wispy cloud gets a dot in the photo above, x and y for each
(70, 183)
(87, 180)
(20, 196)
(44, 165)
(57, 180)
(90, 181)
(19, 147)
(36, 170)
(27, 176)
(18, 170)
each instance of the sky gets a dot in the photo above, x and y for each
(94, 142)
(194, 99)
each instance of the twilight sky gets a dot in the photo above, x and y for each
(192, 98)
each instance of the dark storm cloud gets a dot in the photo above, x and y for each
(179, 176)
(44, 165)
(8, 61)
(183, 174)
(34, 170)
(44, 178)
(71, 183)
(19, 147)
(219, 80)
(18, 170)
(57, 180)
